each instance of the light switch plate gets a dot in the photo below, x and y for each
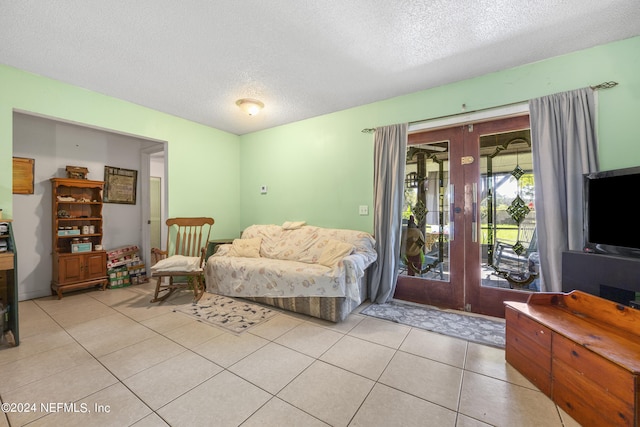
(263, 189)
(363, 210)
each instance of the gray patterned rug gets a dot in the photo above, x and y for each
(478, 329)
(231, 314)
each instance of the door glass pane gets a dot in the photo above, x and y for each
(507, 212)
(425, 220)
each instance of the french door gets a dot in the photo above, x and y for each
(468, 232)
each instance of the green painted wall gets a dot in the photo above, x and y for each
(203, 163)
(320, 170)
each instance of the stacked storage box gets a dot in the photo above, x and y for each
(118, 277)
(125, 267)
(137, 273)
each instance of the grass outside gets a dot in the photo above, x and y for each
(504, 233)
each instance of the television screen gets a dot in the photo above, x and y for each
(611, 216)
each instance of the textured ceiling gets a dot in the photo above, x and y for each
(195, 58)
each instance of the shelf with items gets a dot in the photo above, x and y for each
(77, 231)
(77, 210)
(9, 332)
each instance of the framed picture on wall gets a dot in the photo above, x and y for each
(23, 175)
(120, 185)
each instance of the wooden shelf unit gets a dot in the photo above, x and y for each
(9, 286)
(77, 204)
(582, 351)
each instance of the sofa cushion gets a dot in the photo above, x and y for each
(334, 251)
(249, 248)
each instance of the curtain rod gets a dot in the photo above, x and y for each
(604, 85)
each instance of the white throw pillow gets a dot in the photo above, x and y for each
(248, 248)
(177, 263)
(293, 225)
(334, 252)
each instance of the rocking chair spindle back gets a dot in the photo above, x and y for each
(187, 237)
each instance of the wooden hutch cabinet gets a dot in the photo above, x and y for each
(77, 229)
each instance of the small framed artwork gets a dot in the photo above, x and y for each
(23, 175)
(120, 185)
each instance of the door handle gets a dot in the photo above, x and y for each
(452, 210)
(474, 213)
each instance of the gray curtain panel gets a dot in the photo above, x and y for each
(564, 148)
(390, 152)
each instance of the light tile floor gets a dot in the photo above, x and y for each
(112, 358)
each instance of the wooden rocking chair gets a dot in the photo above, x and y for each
(183, 261)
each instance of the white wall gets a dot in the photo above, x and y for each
(54, 146)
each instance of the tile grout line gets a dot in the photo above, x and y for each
(121, 381)
(344, 333)
(71, 367)
(118, 379)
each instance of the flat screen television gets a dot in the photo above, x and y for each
(611, 216)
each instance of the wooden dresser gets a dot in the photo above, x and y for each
(580, 350)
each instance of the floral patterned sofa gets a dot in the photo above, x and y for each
(301, 268)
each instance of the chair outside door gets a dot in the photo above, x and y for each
(181, 266)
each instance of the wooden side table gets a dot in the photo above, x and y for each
(212, 246)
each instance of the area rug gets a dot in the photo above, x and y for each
(467, 327)
(231, 314)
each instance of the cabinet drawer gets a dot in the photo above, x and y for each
(528, 327)
(604, 374)
(6, 261)
(530, 359)
(585, 401)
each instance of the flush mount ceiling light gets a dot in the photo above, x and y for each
(250, 106)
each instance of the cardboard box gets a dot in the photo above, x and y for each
(119, 279)
(75, 232)
(123, 250)
(118, 272)
(81, 247)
